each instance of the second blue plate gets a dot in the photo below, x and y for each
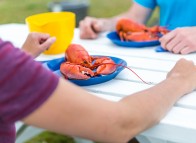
(113, 36)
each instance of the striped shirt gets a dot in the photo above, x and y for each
(24, 86)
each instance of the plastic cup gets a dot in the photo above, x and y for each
(58, 24)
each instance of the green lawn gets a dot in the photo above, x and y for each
(15, 11)
(49, 137)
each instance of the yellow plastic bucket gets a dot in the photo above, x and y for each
(58, 24)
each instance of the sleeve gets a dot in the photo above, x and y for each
(147, 3)
(24, 83)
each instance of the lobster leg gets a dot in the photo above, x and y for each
(121, 35)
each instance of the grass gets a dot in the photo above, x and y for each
(107, 8)
(49, 137)
(15, 11)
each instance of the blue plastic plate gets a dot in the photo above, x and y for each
(113, 36)
(54, 65)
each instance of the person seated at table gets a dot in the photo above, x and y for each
(180, 40)
(33, 94)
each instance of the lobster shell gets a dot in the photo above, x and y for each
(75, 53)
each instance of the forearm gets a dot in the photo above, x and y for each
(148, 107)
(136, 12)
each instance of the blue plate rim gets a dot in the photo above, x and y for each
(130, 44)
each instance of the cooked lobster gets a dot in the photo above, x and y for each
(129, 30)
(80, 65)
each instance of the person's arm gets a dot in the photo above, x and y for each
(180, 40)
(72, 111)
(90, 26)
(136, 12)
(36, 43)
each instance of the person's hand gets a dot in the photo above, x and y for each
(90, 27)
(185, 71)
(36, 43)
(180, 40)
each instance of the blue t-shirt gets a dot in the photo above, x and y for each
(173, 13)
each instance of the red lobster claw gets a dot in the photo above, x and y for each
(104, 66)
(74, 71)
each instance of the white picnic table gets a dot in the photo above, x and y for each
(178, 126)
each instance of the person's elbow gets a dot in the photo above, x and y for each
(121, 127)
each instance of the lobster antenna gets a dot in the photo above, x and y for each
(149, 83)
